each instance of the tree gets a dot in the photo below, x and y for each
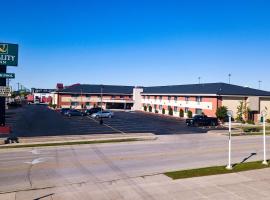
(242, 111)
(181, 113)
(150, 108)
(221, 112)
(189, 114)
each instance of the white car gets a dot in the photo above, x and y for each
(103, 114)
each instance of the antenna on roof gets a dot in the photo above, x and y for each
(259, 84)
(230, 78)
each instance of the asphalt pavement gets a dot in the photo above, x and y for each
(39, 120)
(133, 170)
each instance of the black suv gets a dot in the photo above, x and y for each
(202, 120)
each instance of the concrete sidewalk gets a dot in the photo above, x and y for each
(237, 186)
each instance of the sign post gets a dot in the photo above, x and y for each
(8, 57)
(230, 114)
(264, 113)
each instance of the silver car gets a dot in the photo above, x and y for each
(103, 114)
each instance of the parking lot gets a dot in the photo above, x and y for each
(38, 120)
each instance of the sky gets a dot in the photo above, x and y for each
(140, 42)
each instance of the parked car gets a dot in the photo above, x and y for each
(103, 114)
(64, 110)
(202, 120)
(74, 113)
(93, 110)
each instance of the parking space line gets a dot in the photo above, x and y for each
(107, 125)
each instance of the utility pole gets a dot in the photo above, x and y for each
(229, 78)
(101, 96)
(18, 86)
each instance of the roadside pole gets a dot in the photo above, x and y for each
(229, 166)
(3, 69)
(101, 96)
(263, 113)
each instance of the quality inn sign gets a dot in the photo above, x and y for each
(8, 54)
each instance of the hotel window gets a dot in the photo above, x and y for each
(87, 103)
(175, 99)
(155, 97)
(160, 107)
(148, 97)
(186, 110)
(169, 98)
(143, 97)
(198, 111)
(121, 97)
(186, 99)
(160, 98)
(155, 106)
(113, 97)
(175, 109)
(199, 99)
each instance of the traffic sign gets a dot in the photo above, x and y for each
(5, 91)
(7, 75)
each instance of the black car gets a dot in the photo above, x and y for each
(93, 110)
(202, 120)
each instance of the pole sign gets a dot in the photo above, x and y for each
(8, 54)
(7, 75)
(5, 91)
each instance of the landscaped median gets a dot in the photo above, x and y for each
(207, 171)
(64, 142)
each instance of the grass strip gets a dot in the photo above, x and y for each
(71, 143)
(207, 171)
(249, 134)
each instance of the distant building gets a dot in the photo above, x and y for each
(197, 98)
(39, 95)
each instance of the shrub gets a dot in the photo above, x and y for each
(150, 108)
(251, 129)
(267, 121)
(163, 111)
(54, 106)
(156, 111)
(221, 113)
(181, 113)
(50, 104)
(170, 111)
(250, 122)
(145, 108)
(189, 114)
(243, 121)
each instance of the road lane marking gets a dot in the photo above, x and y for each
(107, 125)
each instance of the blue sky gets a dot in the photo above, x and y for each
(138, 42)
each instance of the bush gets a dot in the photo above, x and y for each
(156, 111)
(221, 113)
(150, 108)
(54, 106)
(50, 104)
(250, 122)
(163, 111)
(267, 121)
(251, 129)
(181, 113)
(170, 111)
(145, 108)
(189, 114)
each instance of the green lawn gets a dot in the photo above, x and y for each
(207, 171)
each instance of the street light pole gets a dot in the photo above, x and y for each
(229, 166)
(264, 138)
(229, 78)
(101, 96)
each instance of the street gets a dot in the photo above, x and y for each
(103, 171)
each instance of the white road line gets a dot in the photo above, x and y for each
(107, 125)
